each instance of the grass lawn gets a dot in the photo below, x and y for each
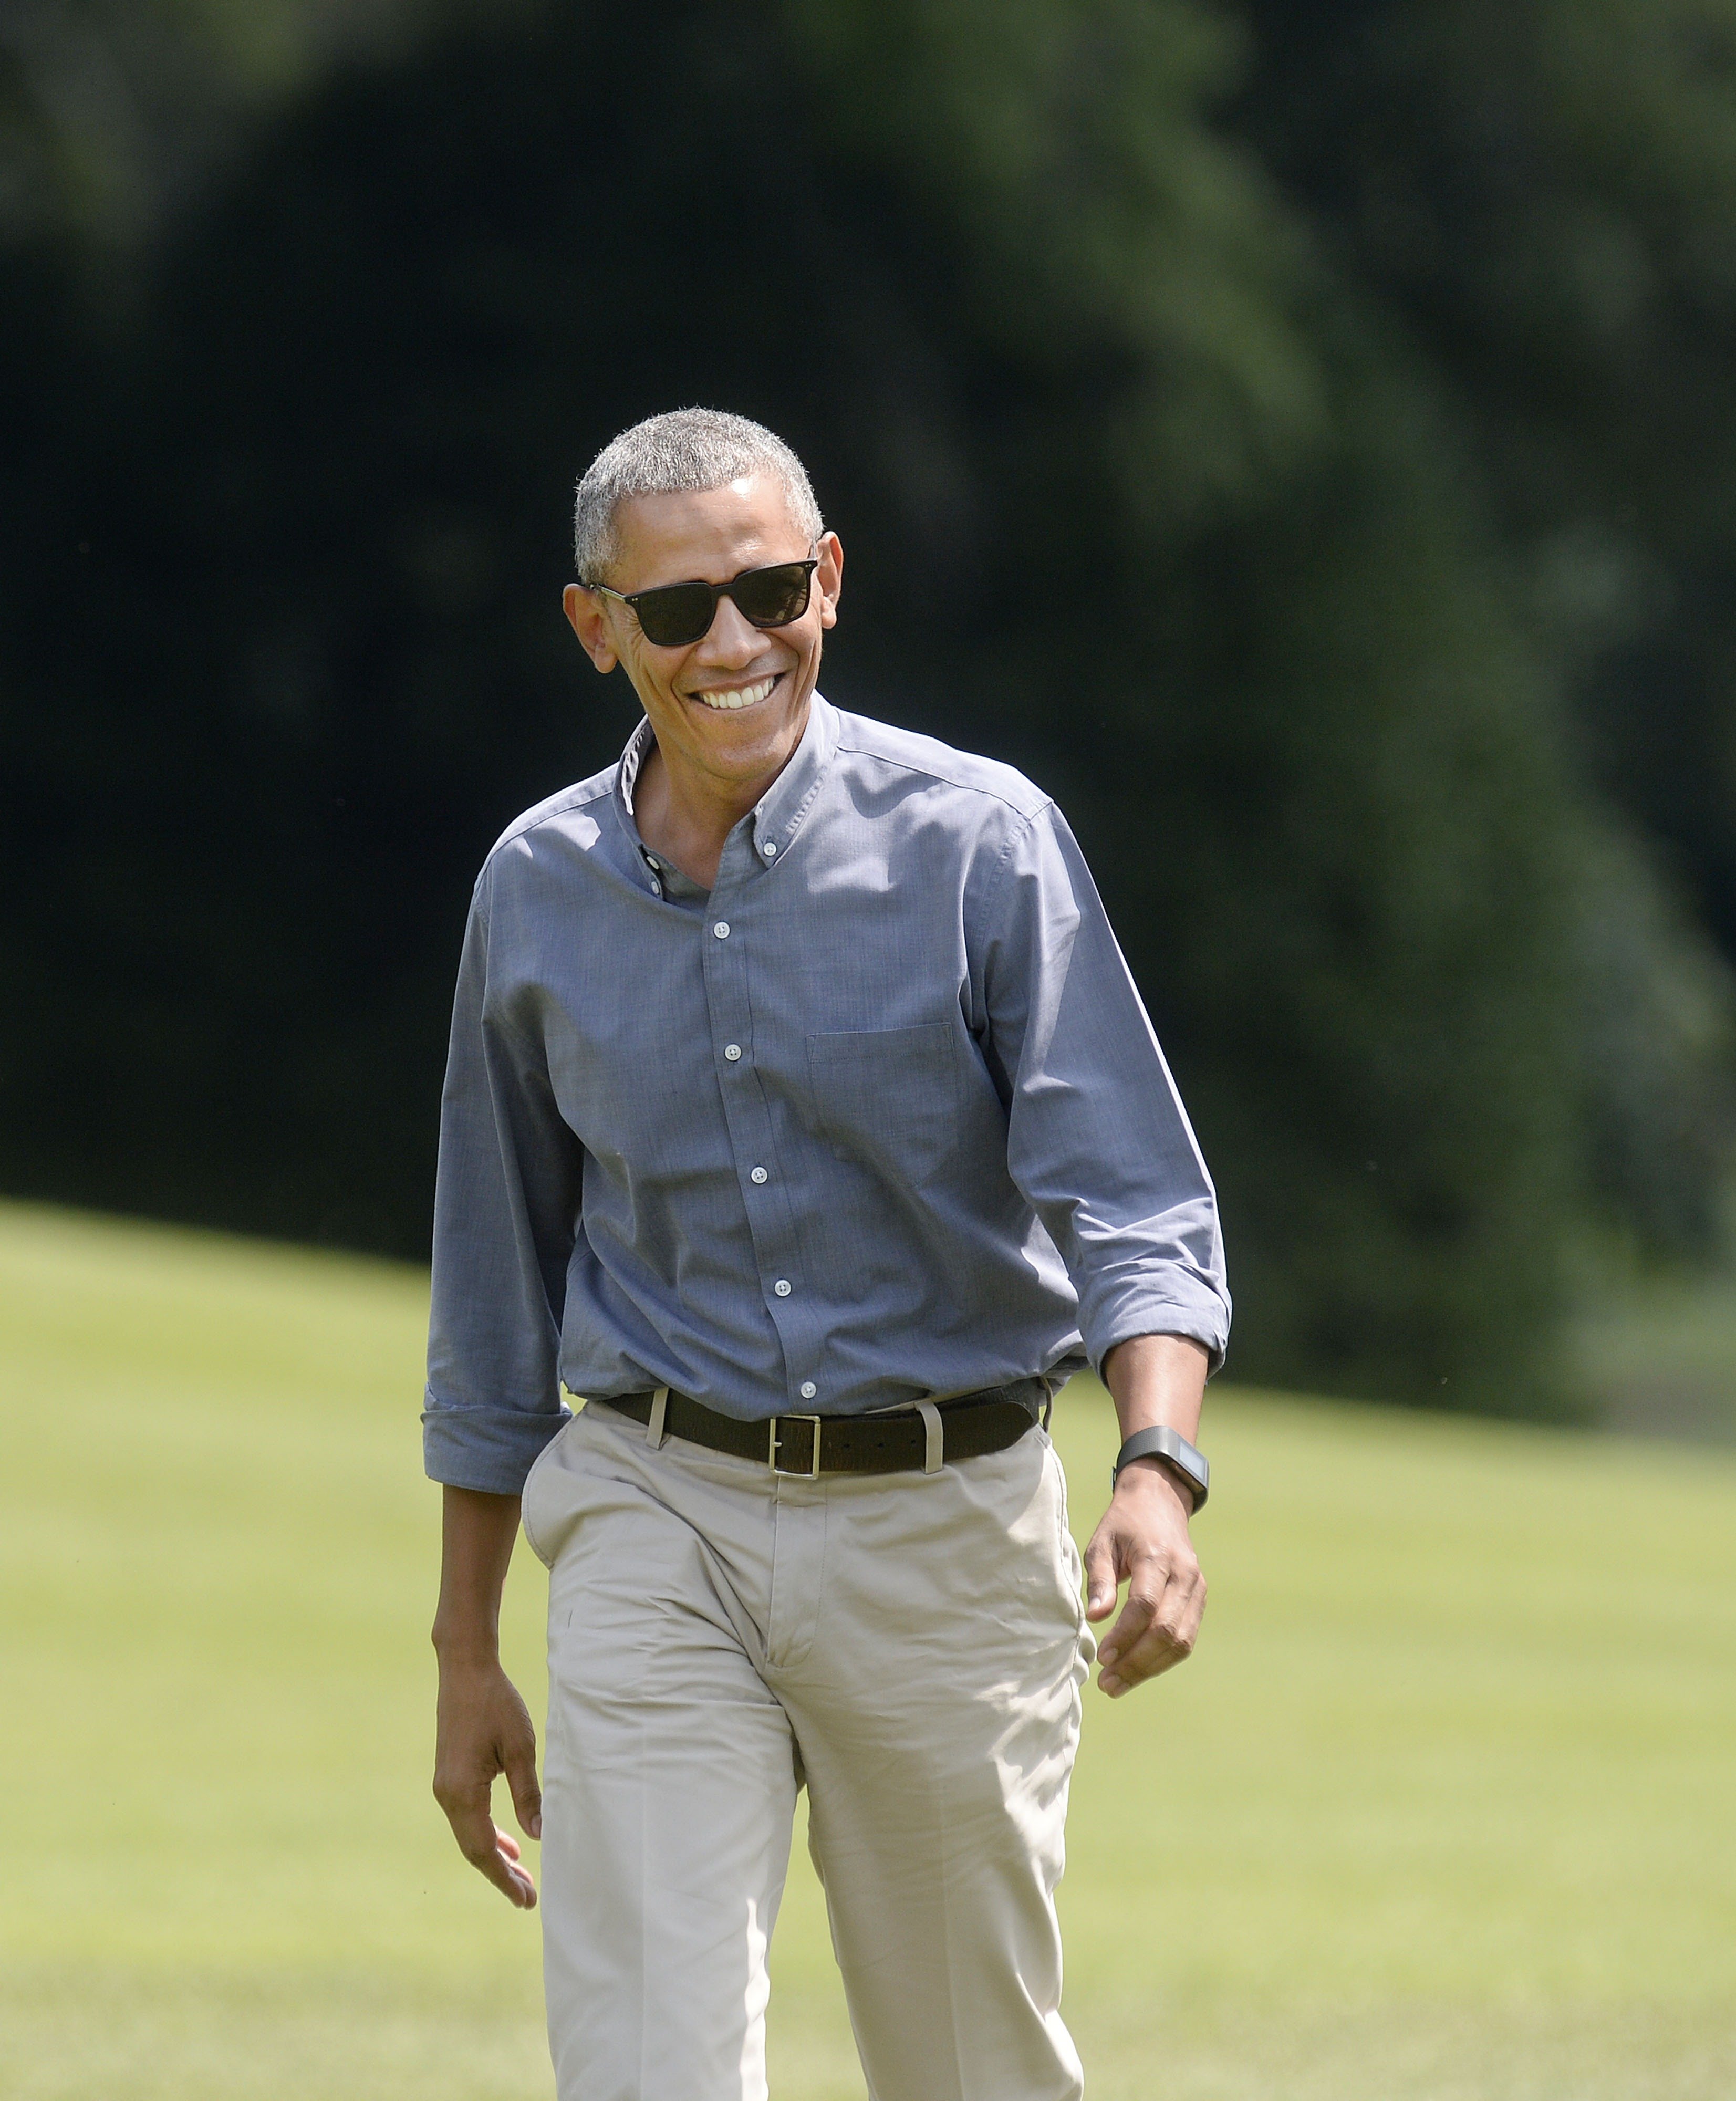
(1444, 1807)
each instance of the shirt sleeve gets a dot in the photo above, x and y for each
(506, 1220)
(1098, 1142)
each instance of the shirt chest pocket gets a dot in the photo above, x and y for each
(888, 1097)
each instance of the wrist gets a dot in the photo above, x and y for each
(1151, 1468)
(464, 1648)
(1185, 1460)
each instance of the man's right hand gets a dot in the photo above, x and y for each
(483, 1728)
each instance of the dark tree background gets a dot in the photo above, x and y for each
(1300, 437)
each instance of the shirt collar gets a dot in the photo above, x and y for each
(779, 813)
(631, 759)
(777, 817)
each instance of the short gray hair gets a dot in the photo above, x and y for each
(685, 449)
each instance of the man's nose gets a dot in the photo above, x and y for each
(731, 636)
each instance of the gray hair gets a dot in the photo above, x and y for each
(686, 448)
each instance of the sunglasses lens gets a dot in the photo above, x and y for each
(774, 597)
(675, 615)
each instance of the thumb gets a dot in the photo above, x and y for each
(527, 1797)
(1099, 1577)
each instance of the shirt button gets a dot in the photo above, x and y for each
(808, 1389)
(758, 1175)
(722, 930)
(782, 1287)
(732, 1051)
(769, 849)
(657, 890)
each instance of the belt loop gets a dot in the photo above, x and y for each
(655, 1433)
(936, 1445)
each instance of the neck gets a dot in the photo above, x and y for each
(686, 816)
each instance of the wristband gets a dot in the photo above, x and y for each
(1169, 1445)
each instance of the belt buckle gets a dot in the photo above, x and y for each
(798, 1473)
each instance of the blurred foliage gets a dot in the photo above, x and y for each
(1297, 434)
(111, 110)
(1542, 196)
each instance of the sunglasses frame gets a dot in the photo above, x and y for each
(718, 591)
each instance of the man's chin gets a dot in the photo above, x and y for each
(764, 734)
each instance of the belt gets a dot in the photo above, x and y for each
(924, 1435)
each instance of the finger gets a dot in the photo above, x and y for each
(521, 1782)
(480, 1840)
(1168, 1640)
(1159, 1651)
(1102, 1578)
(506, 1874)
(499, 1863)
(1144, 1594)
(520, 1887)
(473, 1826)
(1148, 1599)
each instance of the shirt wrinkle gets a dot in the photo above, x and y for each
(881, 1118)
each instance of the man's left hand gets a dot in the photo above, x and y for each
(1143, 1542)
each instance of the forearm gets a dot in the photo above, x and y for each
(1157, 1378)
(1153, 1379)
(477, 1533)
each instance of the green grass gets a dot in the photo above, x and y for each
(1444, 1807)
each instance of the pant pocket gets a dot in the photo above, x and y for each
(527, 1504)
(1072, 1569)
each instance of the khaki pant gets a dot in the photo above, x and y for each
(911, 1645)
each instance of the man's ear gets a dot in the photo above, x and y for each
(829, 577)
(586, 615)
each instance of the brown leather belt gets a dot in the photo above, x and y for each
(900, 1441)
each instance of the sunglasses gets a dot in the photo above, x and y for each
(674, 615)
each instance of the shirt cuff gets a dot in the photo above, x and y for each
(491, 1450)
(1195, 1311)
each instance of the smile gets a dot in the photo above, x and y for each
(737, 696)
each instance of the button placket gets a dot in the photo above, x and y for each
(726, 954)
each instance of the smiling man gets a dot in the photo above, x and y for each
(802, 1117)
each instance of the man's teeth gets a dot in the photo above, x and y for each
(738, 696)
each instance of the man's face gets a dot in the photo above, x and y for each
(730, 708)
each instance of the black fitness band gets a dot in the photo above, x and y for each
(1161, 1442)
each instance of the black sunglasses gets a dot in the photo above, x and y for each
(674, 615)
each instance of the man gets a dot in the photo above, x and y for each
(802, 1117)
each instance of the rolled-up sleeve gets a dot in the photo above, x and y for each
(1098, 1143)
(505, 1217)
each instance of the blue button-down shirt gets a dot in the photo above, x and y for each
(880, 1117)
